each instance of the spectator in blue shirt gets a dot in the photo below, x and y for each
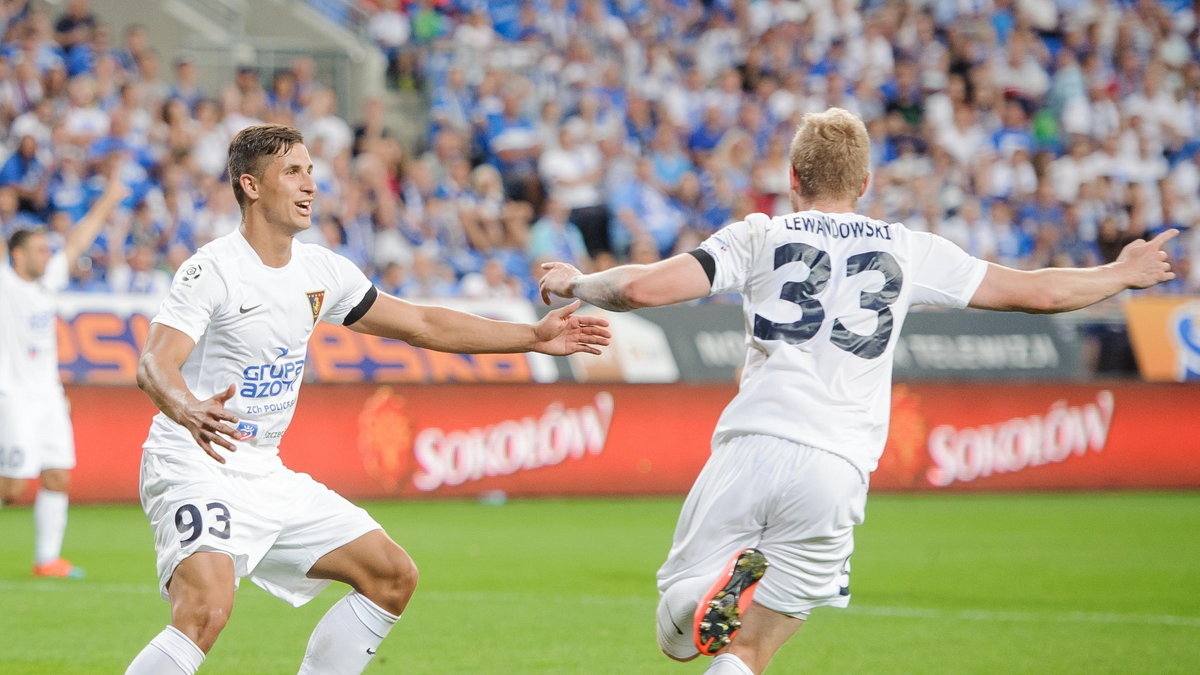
(513, 147)
(555, 237)
(1015, 130)
(706, 136)
(24, 171)
(644, 211)
(66, 191)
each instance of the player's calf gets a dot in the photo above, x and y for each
(11, 489)
(719, 614)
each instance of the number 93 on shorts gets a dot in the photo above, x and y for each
(272, 526)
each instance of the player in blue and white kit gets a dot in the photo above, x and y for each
(223, 362)
(825, 292)
(35, 422)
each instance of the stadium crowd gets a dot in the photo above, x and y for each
(1031, 132)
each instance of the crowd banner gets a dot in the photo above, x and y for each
(1165, 333)
(467, 440)
(100, 337)
(986, 346)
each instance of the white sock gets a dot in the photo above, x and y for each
(728, 664)
(169, 653)
(50, 523)
(676, 611)
(345, 639)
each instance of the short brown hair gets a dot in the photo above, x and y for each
(21, 236)
(831, 155)
(253, 148)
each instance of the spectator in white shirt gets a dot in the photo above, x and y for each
(493, 282)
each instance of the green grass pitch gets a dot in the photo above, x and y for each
(1073, 583)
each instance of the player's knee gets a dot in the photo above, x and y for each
(202, 623)
(395, 584)
(56, 480)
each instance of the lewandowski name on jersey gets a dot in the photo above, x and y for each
(842, 230)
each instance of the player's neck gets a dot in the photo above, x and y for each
(824, 205)
(274, 248)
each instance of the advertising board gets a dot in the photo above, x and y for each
(465, 440)
(1165, 333)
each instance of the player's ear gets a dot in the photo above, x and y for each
(793, 179)
(866, 182)
(249, 185)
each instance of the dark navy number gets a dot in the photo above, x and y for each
(798, 292)
(11, 459)
(188, 520)
(222, 518)
(871, 346)
(813, 313)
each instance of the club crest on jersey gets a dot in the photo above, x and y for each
(246, 431)
(315, 300)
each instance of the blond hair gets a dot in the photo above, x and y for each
(831, 155)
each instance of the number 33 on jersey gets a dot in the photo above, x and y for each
(825, 295)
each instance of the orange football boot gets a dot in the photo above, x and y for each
(718, 616)
(58, 569)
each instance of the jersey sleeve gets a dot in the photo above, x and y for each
(732, 251)
(943, 274)
(57, 274)
(351, 286)
(197, 291)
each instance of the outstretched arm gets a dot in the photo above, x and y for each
(85, 232)
(1142, 264)
(159, 376)
(677, 279)
(560, 332)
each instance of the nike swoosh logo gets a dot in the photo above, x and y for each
(243, 309)
(676, 626)
(370, 651)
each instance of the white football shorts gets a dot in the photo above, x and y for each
(35, 434)
(274, 527)
(796, 504)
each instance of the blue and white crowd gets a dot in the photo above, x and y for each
(1030, 132)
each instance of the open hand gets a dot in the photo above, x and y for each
(206, 420)
(562, 332)
(557, 280)
(1145, 261)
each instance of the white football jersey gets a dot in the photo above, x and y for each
(824, 297)
(251, 324)
(28, 329)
